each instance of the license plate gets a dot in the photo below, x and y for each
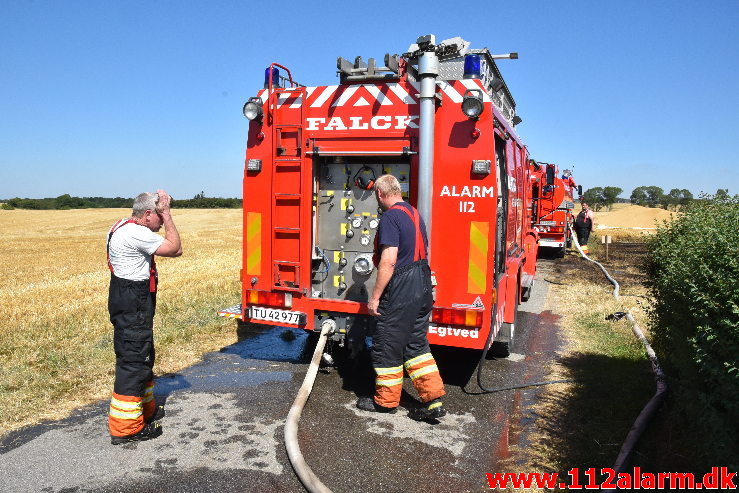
(276, 315)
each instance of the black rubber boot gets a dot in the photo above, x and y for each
(369, 404)
(431, 411)
(148, 432)
(158, 414)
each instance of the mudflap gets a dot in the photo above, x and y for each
(527, 285)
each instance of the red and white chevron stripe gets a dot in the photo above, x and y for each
(372, 94)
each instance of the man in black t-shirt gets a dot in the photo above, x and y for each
(402, 300)
(584, 226)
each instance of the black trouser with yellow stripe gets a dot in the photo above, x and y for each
(400, 340)
(131, 306)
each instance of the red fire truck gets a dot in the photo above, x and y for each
(441, 119)
(552, 205)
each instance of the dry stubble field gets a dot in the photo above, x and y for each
(55, 337)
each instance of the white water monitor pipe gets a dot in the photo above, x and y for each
(428, 70)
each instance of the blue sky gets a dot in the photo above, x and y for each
(113, 98)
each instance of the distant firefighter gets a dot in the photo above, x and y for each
(583, 226)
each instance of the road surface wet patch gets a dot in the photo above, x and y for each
(543, 341)
(250, 362)
(271, 343)
(201, 430)
(449, 434)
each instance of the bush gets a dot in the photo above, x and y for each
(694, 278)
(207, 203)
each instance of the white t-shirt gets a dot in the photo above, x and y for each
(131, 248)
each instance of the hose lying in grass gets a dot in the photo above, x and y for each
(642, 421)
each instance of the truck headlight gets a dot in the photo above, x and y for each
(472, 105)
(253, 109)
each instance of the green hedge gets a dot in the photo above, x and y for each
(694, 278)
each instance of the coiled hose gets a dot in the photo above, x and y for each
(650, 409)
(304, 472)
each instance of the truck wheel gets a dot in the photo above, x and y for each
(562, 250)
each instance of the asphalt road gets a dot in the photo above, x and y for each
(225, 416)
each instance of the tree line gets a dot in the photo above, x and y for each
(656, 197)
(600, 197)
(648, 196)
(64, 202)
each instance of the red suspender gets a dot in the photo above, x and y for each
(153, 276)
(115, 228)
(419, 252)
(152, 271)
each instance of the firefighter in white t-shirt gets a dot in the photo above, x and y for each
(132, 245)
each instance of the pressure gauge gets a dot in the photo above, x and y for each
(357, 222)
(364, 240)
(373, 223)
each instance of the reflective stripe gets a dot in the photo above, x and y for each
(253, 243)
(434, 405)
(389, 383)
(478, 261)
(124, 414)
(129, 412)
(389, 371)
(125, 405)
(148, 397)
(418, 359)
(423, 371)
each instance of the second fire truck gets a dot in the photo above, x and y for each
(441, 119)
(553, 205)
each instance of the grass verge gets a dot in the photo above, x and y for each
(583, 424)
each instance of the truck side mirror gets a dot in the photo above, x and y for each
(579, 190)
(550, 175)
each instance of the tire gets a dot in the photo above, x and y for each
(562, 251)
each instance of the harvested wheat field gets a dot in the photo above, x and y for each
(631, 216)
(55, 337)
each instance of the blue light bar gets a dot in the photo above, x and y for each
(472, 66)
(275, 77)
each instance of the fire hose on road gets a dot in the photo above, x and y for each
(304, 472)
(641, 422)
